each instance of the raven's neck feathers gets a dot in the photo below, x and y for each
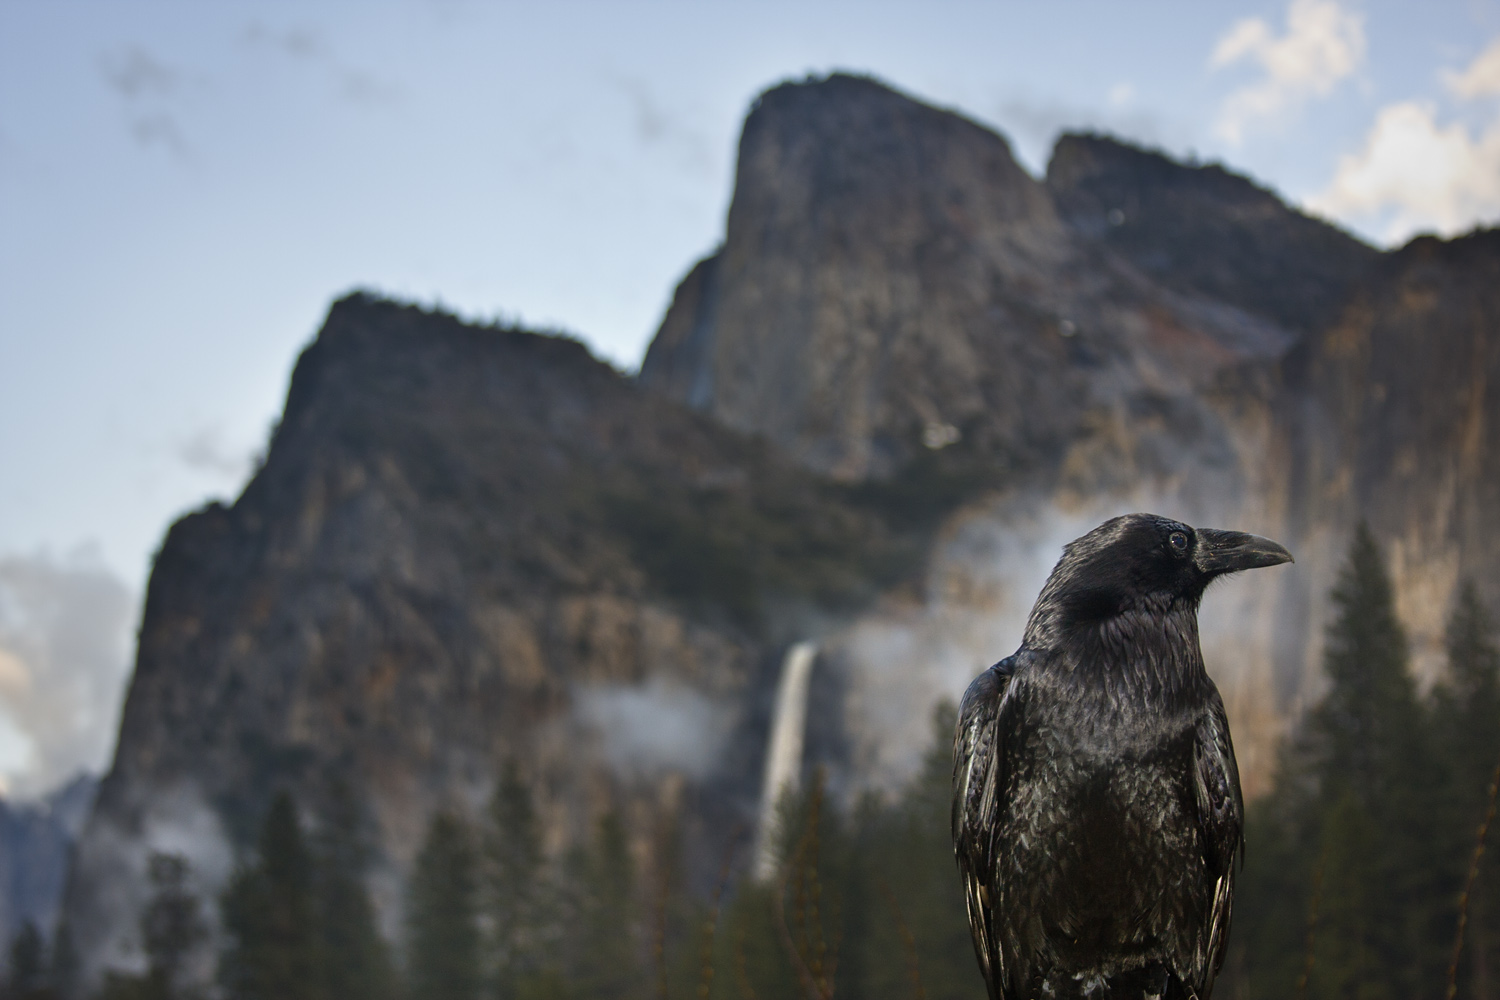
(1146, 651)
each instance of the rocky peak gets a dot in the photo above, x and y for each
(856, 210)
(1207, 231)
(893, 284)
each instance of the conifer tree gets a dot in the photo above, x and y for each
(1467, 711)
(270, 914)
(172, 924)
(609, 953)
(28, 964)
(918, 894)
(1370, 719)
(64, 964)
(1467, 701)
(1349, 863)
(1375, 745)
(443, 915)
(1346, 941)
(514, 887)
(356, 962)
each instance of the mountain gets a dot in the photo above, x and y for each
(1203, 230)
(892, 281)
(466, 545)
(870, 419)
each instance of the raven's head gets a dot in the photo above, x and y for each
(1143, 560)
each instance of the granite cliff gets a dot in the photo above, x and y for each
(466, 545)
(870, 418)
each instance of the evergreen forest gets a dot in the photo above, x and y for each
(1365, 875)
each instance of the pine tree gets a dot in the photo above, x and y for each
(270, 914)
(514, 895)
(1351, 852)
(355, 959)
(64, 965)
(28, 963)
(443, 915)
(608, 958)
(1379, 796)
(172, 924)
(1370, 719)
(1346, 940)
(1467, 712)
(918, 894)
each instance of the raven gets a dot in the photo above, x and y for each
(1096, 800)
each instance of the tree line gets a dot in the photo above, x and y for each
(1359, 863)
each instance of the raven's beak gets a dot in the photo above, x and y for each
(1221, 551)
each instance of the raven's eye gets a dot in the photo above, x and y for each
(1178, 540)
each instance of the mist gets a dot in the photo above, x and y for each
(655, 728)
(65, 648)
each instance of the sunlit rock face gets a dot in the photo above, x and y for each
(892, 281)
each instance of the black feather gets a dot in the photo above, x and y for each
(1096, 800)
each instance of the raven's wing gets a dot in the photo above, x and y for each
(978, 783)
(1221, 820)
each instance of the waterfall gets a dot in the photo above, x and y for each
(783, 752)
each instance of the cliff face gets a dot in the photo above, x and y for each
(891, 281)
(872, 418)
(1206, 231)
(465, 545)
(1390, 414)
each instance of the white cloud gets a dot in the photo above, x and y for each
(64, 655)
(1323, 44)
(1416, 173)
(1482, 78)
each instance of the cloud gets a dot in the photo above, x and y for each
(159, 128)
(655, 728)
(1416, 173)
(207, 451)
(64, 655)
(1482, 78)
(147, 84)
(655, 126)
(136, 73)
(354, 85)
(1323, 44)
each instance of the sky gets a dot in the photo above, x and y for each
(185, 187)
